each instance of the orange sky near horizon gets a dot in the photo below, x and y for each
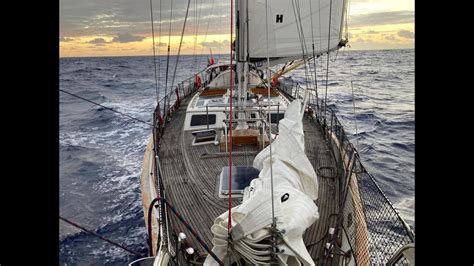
(378, 24)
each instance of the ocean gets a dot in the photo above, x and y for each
(101, 152)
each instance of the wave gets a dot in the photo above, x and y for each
(404, 146)
(108, 148)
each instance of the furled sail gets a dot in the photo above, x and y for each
(295, 189)
(293, 25)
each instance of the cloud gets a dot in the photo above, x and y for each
(406, 34)
(160, 44)
(389, 37)
(382, 18)
(127, 37)
(215, 44)
(65, 39)
(98, 42)
(97, 17)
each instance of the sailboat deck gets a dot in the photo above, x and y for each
(191, 176)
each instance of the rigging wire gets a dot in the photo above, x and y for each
(300, 33)
(167, 62)
(198, 18)
(352, 76)
(304, 48)
(229, 224)
(269, 117)
(314, 56)
(159, 45)
(319, 18)
(220, 49)
(191, 69)
(154, 54)
(101, 237)
(207, 30)
(354, 107)
(180, 44)
(327, 64)
(108, 108)
(320, 41)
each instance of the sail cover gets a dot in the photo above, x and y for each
(290, 26)
(295, 189)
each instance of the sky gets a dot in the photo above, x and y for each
(123, 27)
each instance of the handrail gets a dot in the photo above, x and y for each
(183, 221)
(380, 215)
(402, 252)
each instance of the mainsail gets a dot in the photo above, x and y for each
(293, 27)
(295, 189)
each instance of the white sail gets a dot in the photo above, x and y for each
(295, 189)
(290, 26)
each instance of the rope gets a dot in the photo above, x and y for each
(229, 224)
(101, 237)
(154, 54)
(108, 108)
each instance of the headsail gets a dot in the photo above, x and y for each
(296, 188)
(290, 25)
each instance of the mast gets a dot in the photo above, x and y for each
(241, 50)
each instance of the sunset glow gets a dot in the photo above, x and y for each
(125, 30)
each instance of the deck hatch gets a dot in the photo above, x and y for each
(200, 120)
(241, 177)
(276, 117)
(204, 137)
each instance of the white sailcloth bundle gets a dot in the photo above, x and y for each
(295, 189)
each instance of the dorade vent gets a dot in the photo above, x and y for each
(264, 91)
(212, 92)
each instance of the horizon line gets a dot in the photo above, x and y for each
(151, 55)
